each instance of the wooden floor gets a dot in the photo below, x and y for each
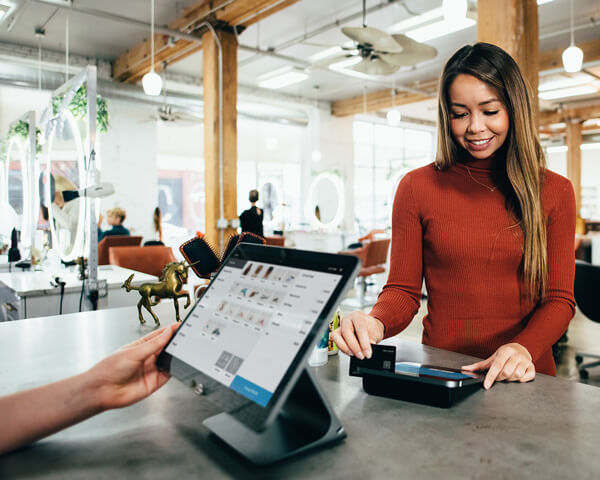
(583, 336)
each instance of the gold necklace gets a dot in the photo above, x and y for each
(491, 189)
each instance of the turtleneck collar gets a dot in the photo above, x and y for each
(484, 168)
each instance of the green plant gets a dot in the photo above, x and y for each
(78, 107)
(334, 171)
(20, 129)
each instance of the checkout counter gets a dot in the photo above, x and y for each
(548, 428)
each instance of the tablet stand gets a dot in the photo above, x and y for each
(305, 421)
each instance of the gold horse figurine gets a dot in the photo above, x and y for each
(171, 280)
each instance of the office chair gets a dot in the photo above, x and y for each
(277, 240)
(587, 288)
(373, 255)
(114, 241)
(150, 260)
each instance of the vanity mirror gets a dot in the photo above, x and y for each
(19, 196)
(65, 172)
(269, 198)
(325, 204)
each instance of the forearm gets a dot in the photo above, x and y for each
(549, 321)
(395, 308)
(33, 414)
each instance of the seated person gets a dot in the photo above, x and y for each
(114, 217)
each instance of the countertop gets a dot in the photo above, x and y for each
(549, 428)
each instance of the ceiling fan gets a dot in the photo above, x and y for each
(379, 52)
(166, 113)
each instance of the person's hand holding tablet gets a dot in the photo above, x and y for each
(356, 333)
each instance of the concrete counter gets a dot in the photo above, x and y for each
(549, 428)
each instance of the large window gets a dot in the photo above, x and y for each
(382, 154)
(269, 159)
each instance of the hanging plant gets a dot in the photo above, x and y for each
(21, 130)
(78, 107)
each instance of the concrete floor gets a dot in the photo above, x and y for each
(583, 336)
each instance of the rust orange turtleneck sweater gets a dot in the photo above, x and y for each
(451, 228)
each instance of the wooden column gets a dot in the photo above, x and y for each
(211, 133)
(574, 159)
(513, 26)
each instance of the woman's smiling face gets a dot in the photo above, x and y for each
(478, 119)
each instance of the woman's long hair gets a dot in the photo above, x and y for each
(525, 161)
(157, 220)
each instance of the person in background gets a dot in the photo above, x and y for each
(65, 204)
(251, 220)
(121, 379)
(487, 225)
(114, 217)
(157, 225)
(157, 220)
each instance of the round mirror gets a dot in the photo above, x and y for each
(18, 192)
(393, 186)
(269, 198)
(325, 204)
(65, 173)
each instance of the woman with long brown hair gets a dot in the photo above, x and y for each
(487, 225)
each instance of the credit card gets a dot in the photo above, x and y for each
(383, 358)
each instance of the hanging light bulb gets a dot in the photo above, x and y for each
(572, 57)
(454, 10)
(152, 82)
(393, 116)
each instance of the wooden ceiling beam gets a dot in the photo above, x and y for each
(378, 100)
(134, 63)
(551, 59)
(580, 114)
(561, 131)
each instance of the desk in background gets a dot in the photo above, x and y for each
(541, 430)
(32, 294)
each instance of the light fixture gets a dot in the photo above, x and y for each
(271, 143)
(354, 60)
(7, 7)
(152, 82)
(454, 9)
(439, 29)
(557, 149)
(438, 22)
(542, 2)
(393, 116)
(282, 77)
(561, 81)
(568, 92)
(590, 146)
(328, 52)
(572, 57)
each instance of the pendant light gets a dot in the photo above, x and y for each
(572, 57)
(393, 116)
(152, 82)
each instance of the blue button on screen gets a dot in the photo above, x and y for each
(251, 391)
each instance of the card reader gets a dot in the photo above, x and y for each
(385, 375)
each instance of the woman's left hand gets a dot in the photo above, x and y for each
(510, 362)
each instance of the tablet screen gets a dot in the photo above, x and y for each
(250, 324)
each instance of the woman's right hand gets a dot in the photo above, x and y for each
(356, 333)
